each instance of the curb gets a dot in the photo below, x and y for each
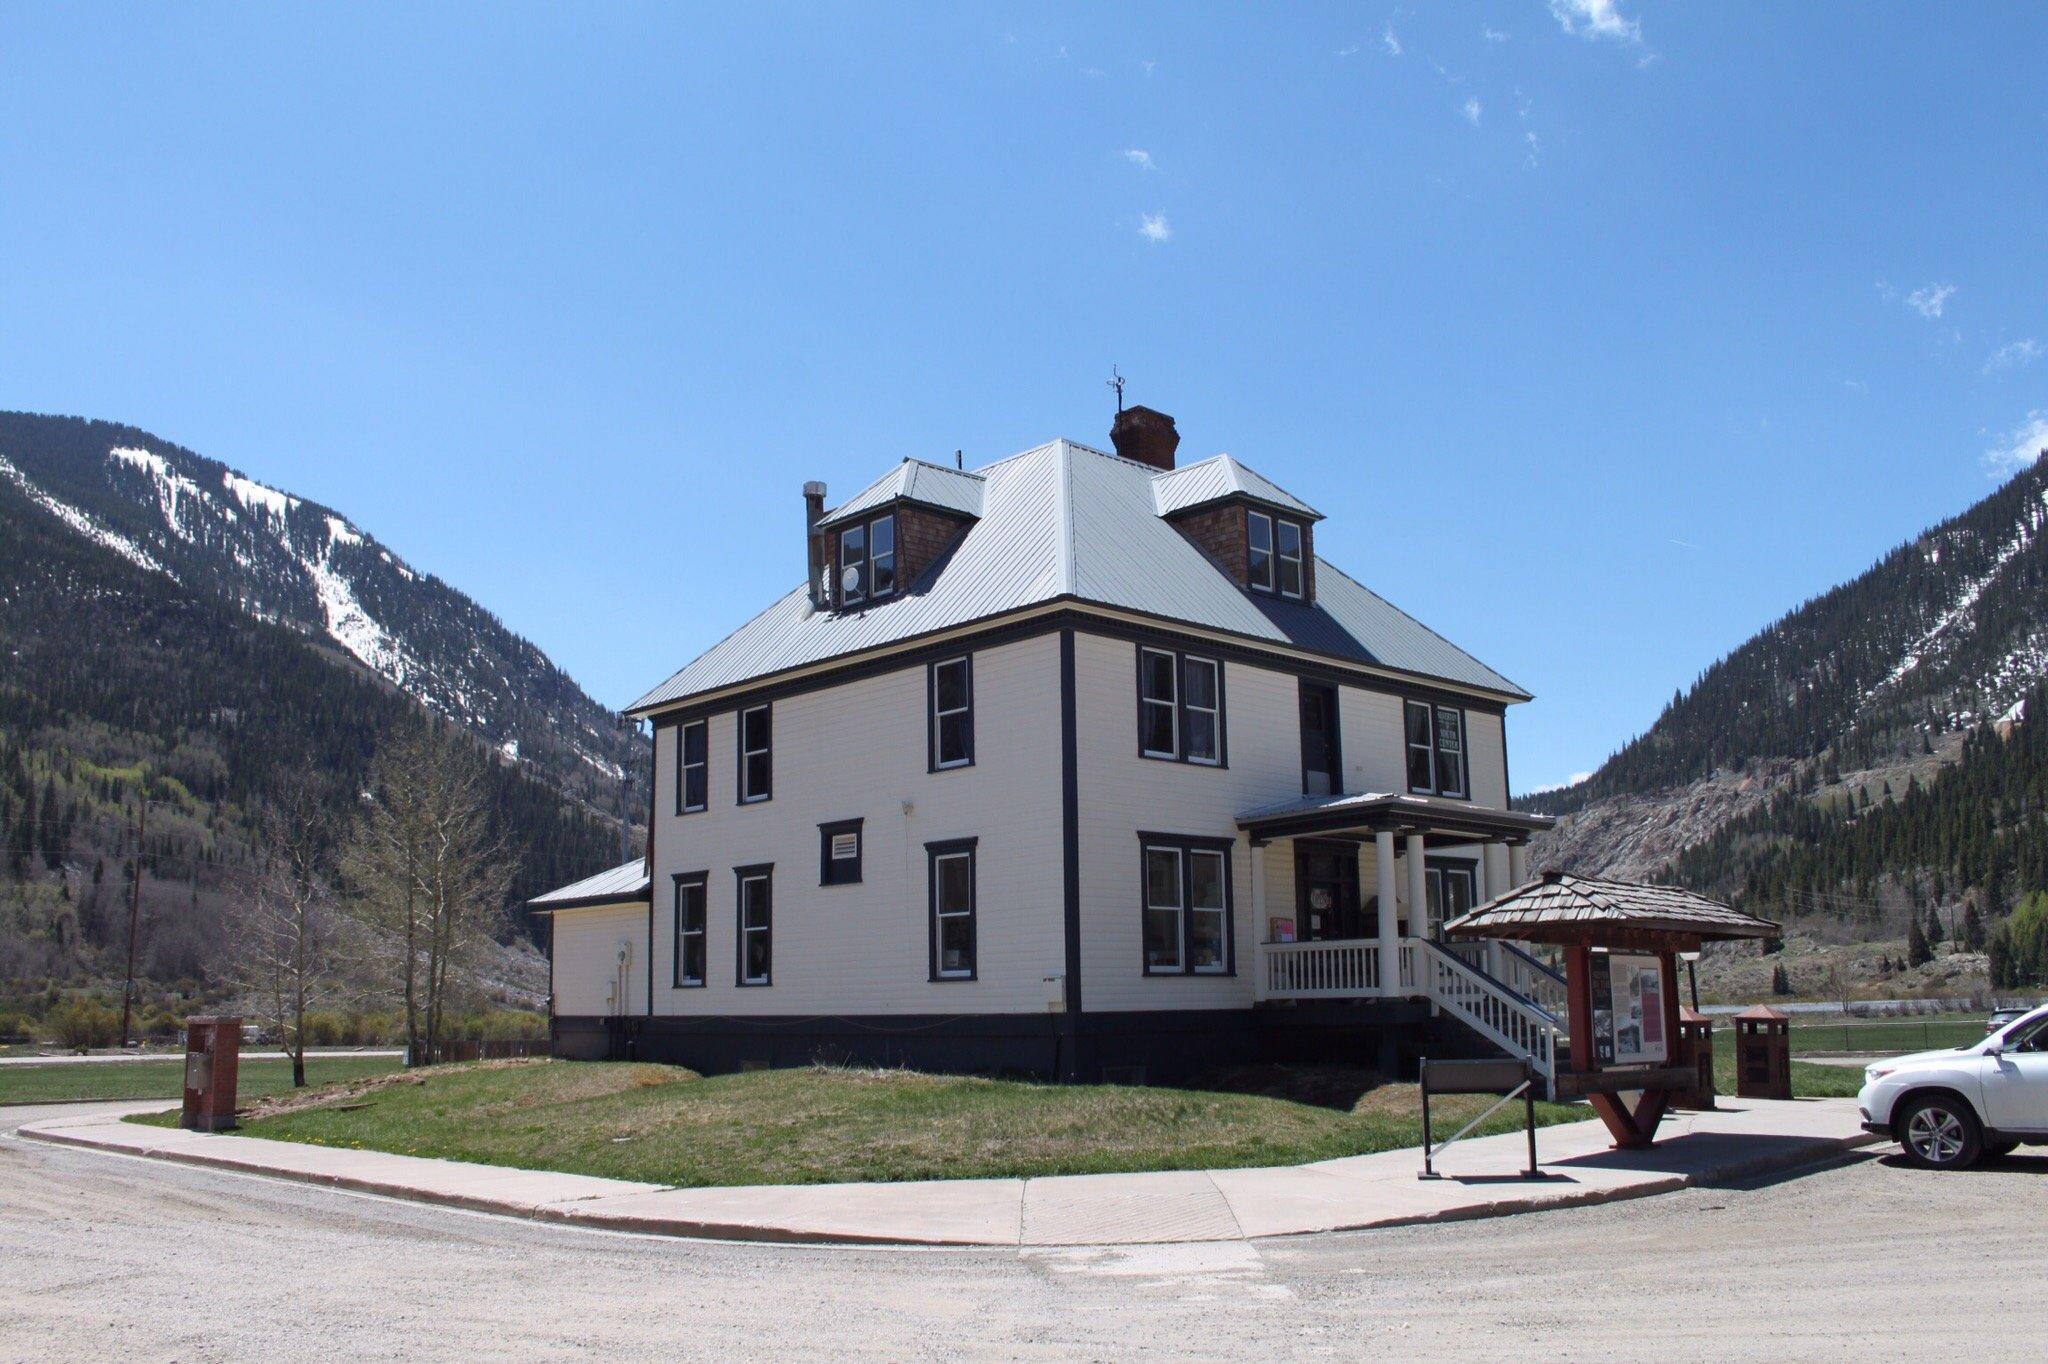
(566, 1213)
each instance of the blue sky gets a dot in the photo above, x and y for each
(1602, 333)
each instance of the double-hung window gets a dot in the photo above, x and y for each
(689, 953)
(1436, 750)
(867, 561)
(1187, 906)
(950, 688)
(1274, 558)
(1180, 706)
(952, 909)
(693, 766)
(755, 886)
(757, 768)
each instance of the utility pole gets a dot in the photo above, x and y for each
(134, 910)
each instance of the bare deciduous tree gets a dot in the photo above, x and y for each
(286, 940)
(431, 873)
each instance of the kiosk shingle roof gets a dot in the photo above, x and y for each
(1558, 902)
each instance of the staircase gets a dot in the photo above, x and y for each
(1501, 993)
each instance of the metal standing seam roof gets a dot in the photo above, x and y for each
(1216, 478)
(627, 882)
(914, 481)
(1364, 805)
(1064, 521)
(1557, 900)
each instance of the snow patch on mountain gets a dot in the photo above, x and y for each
(80, 522)
(255, 496)
(172, 488)
(353, 628)
(342, 533)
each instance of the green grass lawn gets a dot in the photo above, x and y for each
(1809, 1079)
(165, 1079)
(1879, 1036)
(665, 1125)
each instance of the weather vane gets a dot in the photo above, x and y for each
(1116, 381)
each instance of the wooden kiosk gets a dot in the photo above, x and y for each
(1620, 941)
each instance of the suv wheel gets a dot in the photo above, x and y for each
(1940, 1132)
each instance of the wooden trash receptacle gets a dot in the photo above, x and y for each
(1763, 1053)
(1696, 1052)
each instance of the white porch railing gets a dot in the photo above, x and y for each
(1490, 1008)
(1346, 969)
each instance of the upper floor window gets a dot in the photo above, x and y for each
(1436, 750)
(1180, 706)
(950, 688)
(1273, 558)
(867, 560)
(756, 756)
(693, 766)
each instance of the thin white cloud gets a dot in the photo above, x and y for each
(1093, 72)
(1153, 227)
(1391, 39)
(1473, 110)
(1351, 51)
(2014, 355)
(1929, 300)
(1148, 64)
(1138, 157)
(1573, 780)
(1596, 19)
(1493, 35)
(2019, 449)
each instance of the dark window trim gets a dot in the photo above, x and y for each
(866, 526)
(1272, 564)
(1186, 845)
(1274, 521)
(740, 876)
(931, 713)
(1069, 615)
(1180, 659)
(1300, 559)
(1437, 865)
(826, 832)
(739, 744)
(683, 807)
(701, 880)
(1431, 707)
(1336, 690)
(952, 847)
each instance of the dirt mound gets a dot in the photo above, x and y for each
(351, 1091)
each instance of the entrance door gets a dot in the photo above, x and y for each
(1320, 773)
(1326, 891)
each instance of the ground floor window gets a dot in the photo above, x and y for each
(952, 909)
(1187, 929)
(689, 963)
(756, 923)
(1452, 889)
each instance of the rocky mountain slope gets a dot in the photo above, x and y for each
(283, 559)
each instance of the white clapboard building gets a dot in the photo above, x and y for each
(1077, 764)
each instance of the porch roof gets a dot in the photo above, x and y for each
(1375, 811)
(627, 883)
(1559, 908)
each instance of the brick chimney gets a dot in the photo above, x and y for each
(1145, 436)
(814, 548)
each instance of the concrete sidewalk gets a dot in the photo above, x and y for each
(1746, 1137)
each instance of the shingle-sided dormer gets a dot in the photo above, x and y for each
(1259, 533)
(874, 546)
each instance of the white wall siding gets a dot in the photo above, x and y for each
(857, 751)
(1486, 735)
(1373, 743)
(586, 955)
(1122, 794)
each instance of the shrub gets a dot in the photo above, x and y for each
(82, 1023)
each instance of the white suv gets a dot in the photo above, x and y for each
(1946, 1108)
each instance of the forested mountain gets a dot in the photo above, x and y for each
(171, 629)
(1869, 758)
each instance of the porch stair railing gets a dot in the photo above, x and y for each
(1510, 1020)
(1318, 970)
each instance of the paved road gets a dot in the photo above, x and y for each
(104, 1257)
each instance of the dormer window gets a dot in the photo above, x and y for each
(1273, 555)
(867, 560)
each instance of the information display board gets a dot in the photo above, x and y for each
(1628, 1010)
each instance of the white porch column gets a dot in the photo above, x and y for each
(1518, 865)
(1418, 903)
(1259, 934)
(1390, 933)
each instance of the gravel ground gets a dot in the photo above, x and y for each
(107, 1257)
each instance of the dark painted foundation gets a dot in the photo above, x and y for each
(1156, 1047)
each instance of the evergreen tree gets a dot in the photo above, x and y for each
(1917, 951)
(1781, 983)
(1970, 937)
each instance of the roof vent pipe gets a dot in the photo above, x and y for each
(814, 543)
